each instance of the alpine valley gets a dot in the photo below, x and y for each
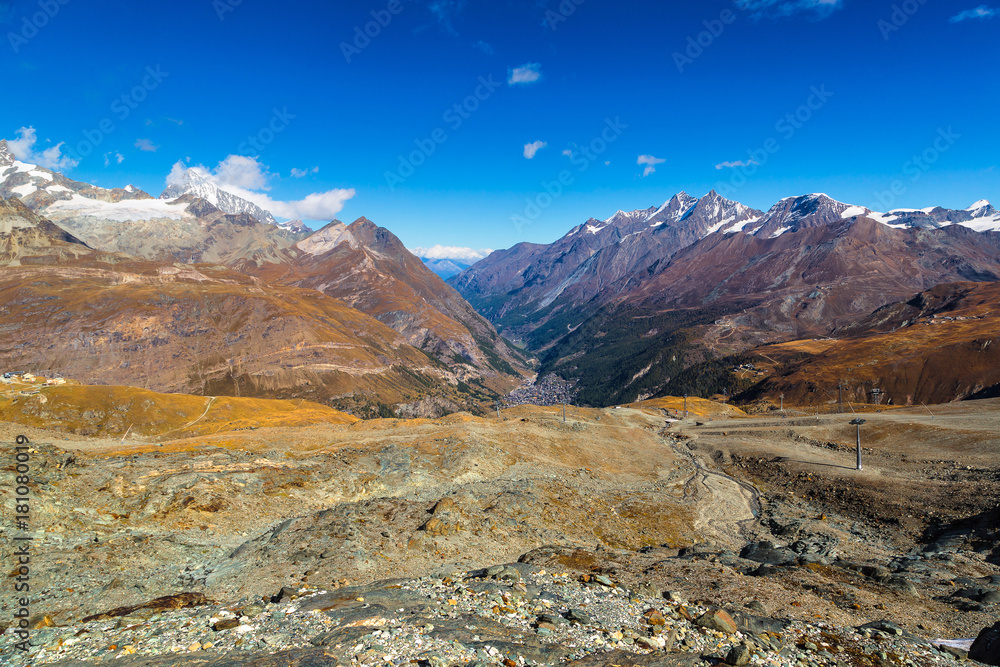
(200, 291)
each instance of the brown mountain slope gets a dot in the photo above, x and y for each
(107, 318)
(941, 346)
(120, 411)
(205, 330)
(367, 267)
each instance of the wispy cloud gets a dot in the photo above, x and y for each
(146, 145)
(115, 156)
(451, 252)
(650, 163)
(778, 8)
(444, 11)
(246, 177)
(302, 173)
(23, 148)
(527, 73)
(736, 164)
(980, 12)
(484, 47)
(531, 149)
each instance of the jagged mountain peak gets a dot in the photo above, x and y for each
(983, 209)
(196, 182)
(673, 210)
(363, 222)
(803, 211)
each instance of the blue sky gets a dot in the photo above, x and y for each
(611, 98)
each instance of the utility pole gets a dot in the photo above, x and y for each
(858, 422)
(782, 402)
(564, 413)
(841, 388)
(685, 406)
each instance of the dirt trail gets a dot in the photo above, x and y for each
(726, 507)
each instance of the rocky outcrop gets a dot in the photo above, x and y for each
(986, 648)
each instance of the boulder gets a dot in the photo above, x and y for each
(717, 620)
(986, 648)
(768, 553)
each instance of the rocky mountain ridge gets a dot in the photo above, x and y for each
(628, 314)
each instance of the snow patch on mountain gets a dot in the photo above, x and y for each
(853, 211)
(24, 190)
(130, 210)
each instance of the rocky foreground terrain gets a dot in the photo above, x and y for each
(616, 536)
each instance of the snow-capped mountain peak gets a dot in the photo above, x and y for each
(673, 210)
(195, 183)
(812, 210)
(981, 204)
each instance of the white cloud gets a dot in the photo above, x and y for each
(528, 73)
(531, 149)
(484, 47)
(243, 172)
(451, 252)
(736, 164)
(650, 163)
(146, 145)
(776, 8)
(23, 148)
(980, 12)
(245, 177)
(302, 173)
(113, 155)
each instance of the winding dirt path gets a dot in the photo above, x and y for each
(726, 507)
